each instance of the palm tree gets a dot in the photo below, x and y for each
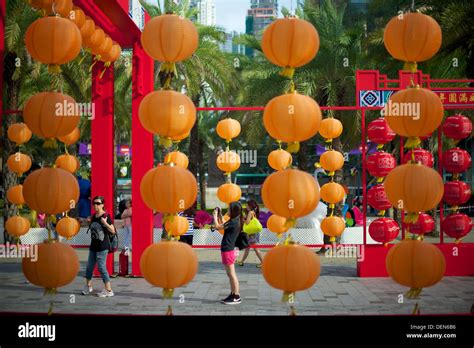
(22, 77)
(208, 77)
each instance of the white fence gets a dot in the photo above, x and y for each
(205, 237)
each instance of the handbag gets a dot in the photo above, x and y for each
(242, 241)
(253, 227)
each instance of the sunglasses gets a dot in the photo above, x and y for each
(98, 203)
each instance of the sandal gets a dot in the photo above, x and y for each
(259, 265)
(240, 263)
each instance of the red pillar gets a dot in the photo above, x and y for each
(102, 135)
(142, 155)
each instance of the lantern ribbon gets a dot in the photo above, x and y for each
(166, 142)
(410, 66)
(50, 144)
(168, 293)
(54, 69)
(411, 218)
(169, 311)
(167, 72)
(106, 66)
(412, 142)
(293, 147)
(288, 72)
(413, 293)
(287, 296)
(416, 309)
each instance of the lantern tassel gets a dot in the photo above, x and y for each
(169, 311)
(410, 66)
(379, 146)
(288, 296)
(332, 239)
(416, 309)
(413, 293)
(168, 293)
(411, 218)
(381, 213)
(379, 179)
(290, 223)
(293, 147)
(54, 69)
(106, 66)
(50, 144)
(412, 142)
(165, 142)
(292, 311)
(288, 72)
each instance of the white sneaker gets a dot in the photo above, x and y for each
(87, 290)
(106, 293)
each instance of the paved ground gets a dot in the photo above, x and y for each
(337, 292)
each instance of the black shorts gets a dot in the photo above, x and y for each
(186, 239)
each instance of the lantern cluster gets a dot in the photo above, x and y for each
(414, 186)
(379, 164)
(456, 192)
(169, 188)
(290, 193)
(228, 161)
(332, 192)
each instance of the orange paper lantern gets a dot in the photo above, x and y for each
(330, 128)
(332, 192)
(332, 160)
(229, 193)
(178, 158)
(228, 129)
(51, 191)
(290, 42)
(113, 54)
(228, 161)
(87, 29)
(414, 187)
(291, 268)
(277, 224)
(15, 195)
(178, 226)
(17, 226)
(69, 163)
(45, 270)
(71, 138)
(292, 117)
(333, 226)
(77, 16)
(279, 159)
(414, 112)
(170, 38)
(415, 264)
(290, 193)
(412, 37)
(19, 163)
(51, 114)
(68, 227)
(167, 113)
(53, 41)
(169, 265)
(168, 189)
(19, 133)
(94, 41)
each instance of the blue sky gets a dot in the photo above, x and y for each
(231, 13)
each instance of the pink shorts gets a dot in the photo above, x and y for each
(228, 257)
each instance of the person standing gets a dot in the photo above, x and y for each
(100, 226)
(252, 211)
(127, 216)
(189, 235)
(232, 229)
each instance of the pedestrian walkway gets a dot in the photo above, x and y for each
(338, 292)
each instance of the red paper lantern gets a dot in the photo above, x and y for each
(380, 164)
(424, 224)
(456, 192)
(457, 225)
(377, 198)
(457, 127)
(379, 131)
(456, 160)
(421, 155)
(384, 230)
(424, 137)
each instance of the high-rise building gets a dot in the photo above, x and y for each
(230, 45)
(259, 16)
(137, 13)
(206, 11)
